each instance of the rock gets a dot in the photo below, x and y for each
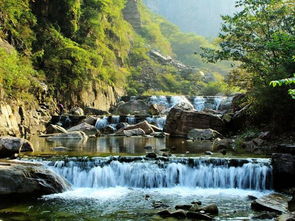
(160, 134)
(258, 141)
(283, 168)
(183, 207)
(268, 216)
(78, 111)
(60, 149)
(185, 106)
(148, 148)
(265, 135)
(238, 101)
(179, 214)
(211, 209)
(30, 179)
(223, 144)
(156, 129)
(151, 155)
(13, 145)
(144, 125)
(79, 135)
(208, 153)
(159, 204)
(85, 127)
(180, 122)
(8, 121)
(154, 109)
(135, 107)
(129, 133)
(291, 203)
(122, 125)
(164, 213)
(274, 202)
(195, 208)
(94, 111)
(286, 148)
(198, 216)
(240, 119)
(90, 120)
(197, 202)
(250, 197)
(52, 129)
(203, 134)
(108, 130)
(286, 217)
(223, 152)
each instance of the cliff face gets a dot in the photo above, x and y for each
(198, 16)
(131, 14)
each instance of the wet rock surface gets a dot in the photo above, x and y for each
(13, 145)
(30, 179)
(79, 135)
(274, 202)
(180, 122)
(283, 171)
(84, 127)
(203, 134)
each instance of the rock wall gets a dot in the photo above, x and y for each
(19, 118)
(132, 15)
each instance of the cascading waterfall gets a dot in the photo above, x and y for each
(184, 172)
(160, 100)
(199, 103)
(101, 123)
(158, 121)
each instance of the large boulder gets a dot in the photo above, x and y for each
(30, 179)
(135, 107)
(203, 134)
(79, 135)
(283, 170)
(144, 125)
(273, 202)
(94, 111)
(12, 145)
(78, 111)
(132, 132)
(53, 129)
(180, 122)
(85, 127)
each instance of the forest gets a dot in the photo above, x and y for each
(138, 110)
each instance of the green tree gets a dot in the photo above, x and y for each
(261, 37)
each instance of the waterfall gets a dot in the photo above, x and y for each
(160, 100)
(101, 123)
(115, 119)
(131, 120)
(174, 100)
(199, 103)
(158, 121)
(184, 172)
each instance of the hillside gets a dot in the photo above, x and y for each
(85, 51)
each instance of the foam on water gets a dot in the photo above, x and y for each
(145, 174)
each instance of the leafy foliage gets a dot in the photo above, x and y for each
(261, 37)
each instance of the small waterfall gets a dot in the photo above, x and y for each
(158, 121)
(177, 100)
(184, 172)
(131, 120)
(160, 100)
(101, 123)
(115, 119)
(199, 103)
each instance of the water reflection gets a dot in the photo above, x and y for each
(128, 145)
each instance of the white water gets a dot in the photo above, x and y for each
(200, 103)
(146, 174)
(158, 121)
